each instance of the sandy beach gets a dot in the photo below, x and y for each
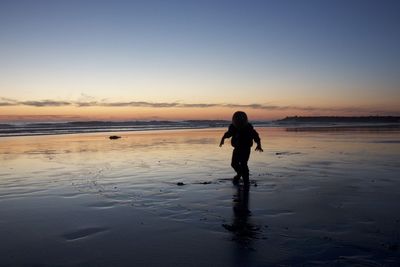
(165, 198)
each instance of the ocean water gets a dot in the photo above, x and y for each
(53, 128)
(326, 198)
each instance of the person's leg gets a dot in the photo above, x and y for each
(245, 173)
(235, 163)
(244, 158)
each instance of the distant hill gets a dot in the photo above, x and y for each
(340, 119)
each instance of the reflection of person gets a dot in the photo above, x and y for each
(240, 210)
(243, 134)
(244, 231)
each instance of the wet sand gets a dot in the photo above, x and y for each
(316, 199)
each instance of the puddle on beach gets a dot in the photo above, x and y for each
(316, 198)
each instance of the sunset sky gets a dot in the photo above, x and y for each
(123, 60)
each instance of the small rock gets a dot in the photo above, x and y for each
(180, 184)
(113, 137)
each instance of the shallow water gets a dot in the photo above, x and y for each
(317, 198)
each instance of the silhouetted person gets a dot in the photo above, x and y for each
(243, 134)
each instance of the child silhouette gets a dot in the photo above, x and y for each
(243, 134)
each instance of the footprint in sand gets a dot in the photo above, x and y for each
(83, 233)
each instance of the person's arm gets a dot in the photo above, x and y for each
(256, 138)
(227, 134)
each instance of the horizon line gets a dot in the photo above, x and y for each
(83, 120)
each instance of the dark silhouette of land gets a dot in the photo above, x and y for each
(340, 123)
(340, 119)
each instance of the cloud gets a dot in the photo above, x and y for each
(38, 118)
(256, 106)
(2, 104)
(199, 105)
(86, 104)
(139, 104)
(45, 103)
(85, 97)
(88, 101)
(7, 101)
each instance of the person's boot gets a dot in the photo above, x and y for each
(246, 181)
(236, 179)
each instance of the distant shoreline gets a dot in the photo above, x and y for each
(340, 123)
(299, 124)
(340, 119)
(105, 131)
(343, 128)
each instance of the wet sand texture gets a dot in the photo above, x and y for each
(317, 198)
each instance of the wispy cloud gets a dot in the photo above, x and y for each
(45, 103)
(86, 101)
(38, 118)
(7, 101)
(3, 104)
(138, 104)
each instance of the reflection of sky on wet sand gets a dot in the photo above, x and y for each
(313, 196)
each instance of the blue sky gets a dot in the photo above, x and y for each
(341, 54)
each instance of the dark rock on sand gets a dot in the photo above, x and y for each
(113, 137)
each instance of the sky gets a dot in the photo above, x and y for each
(126, 60)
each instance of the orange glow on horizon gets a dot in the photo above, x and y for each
(74, 113)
